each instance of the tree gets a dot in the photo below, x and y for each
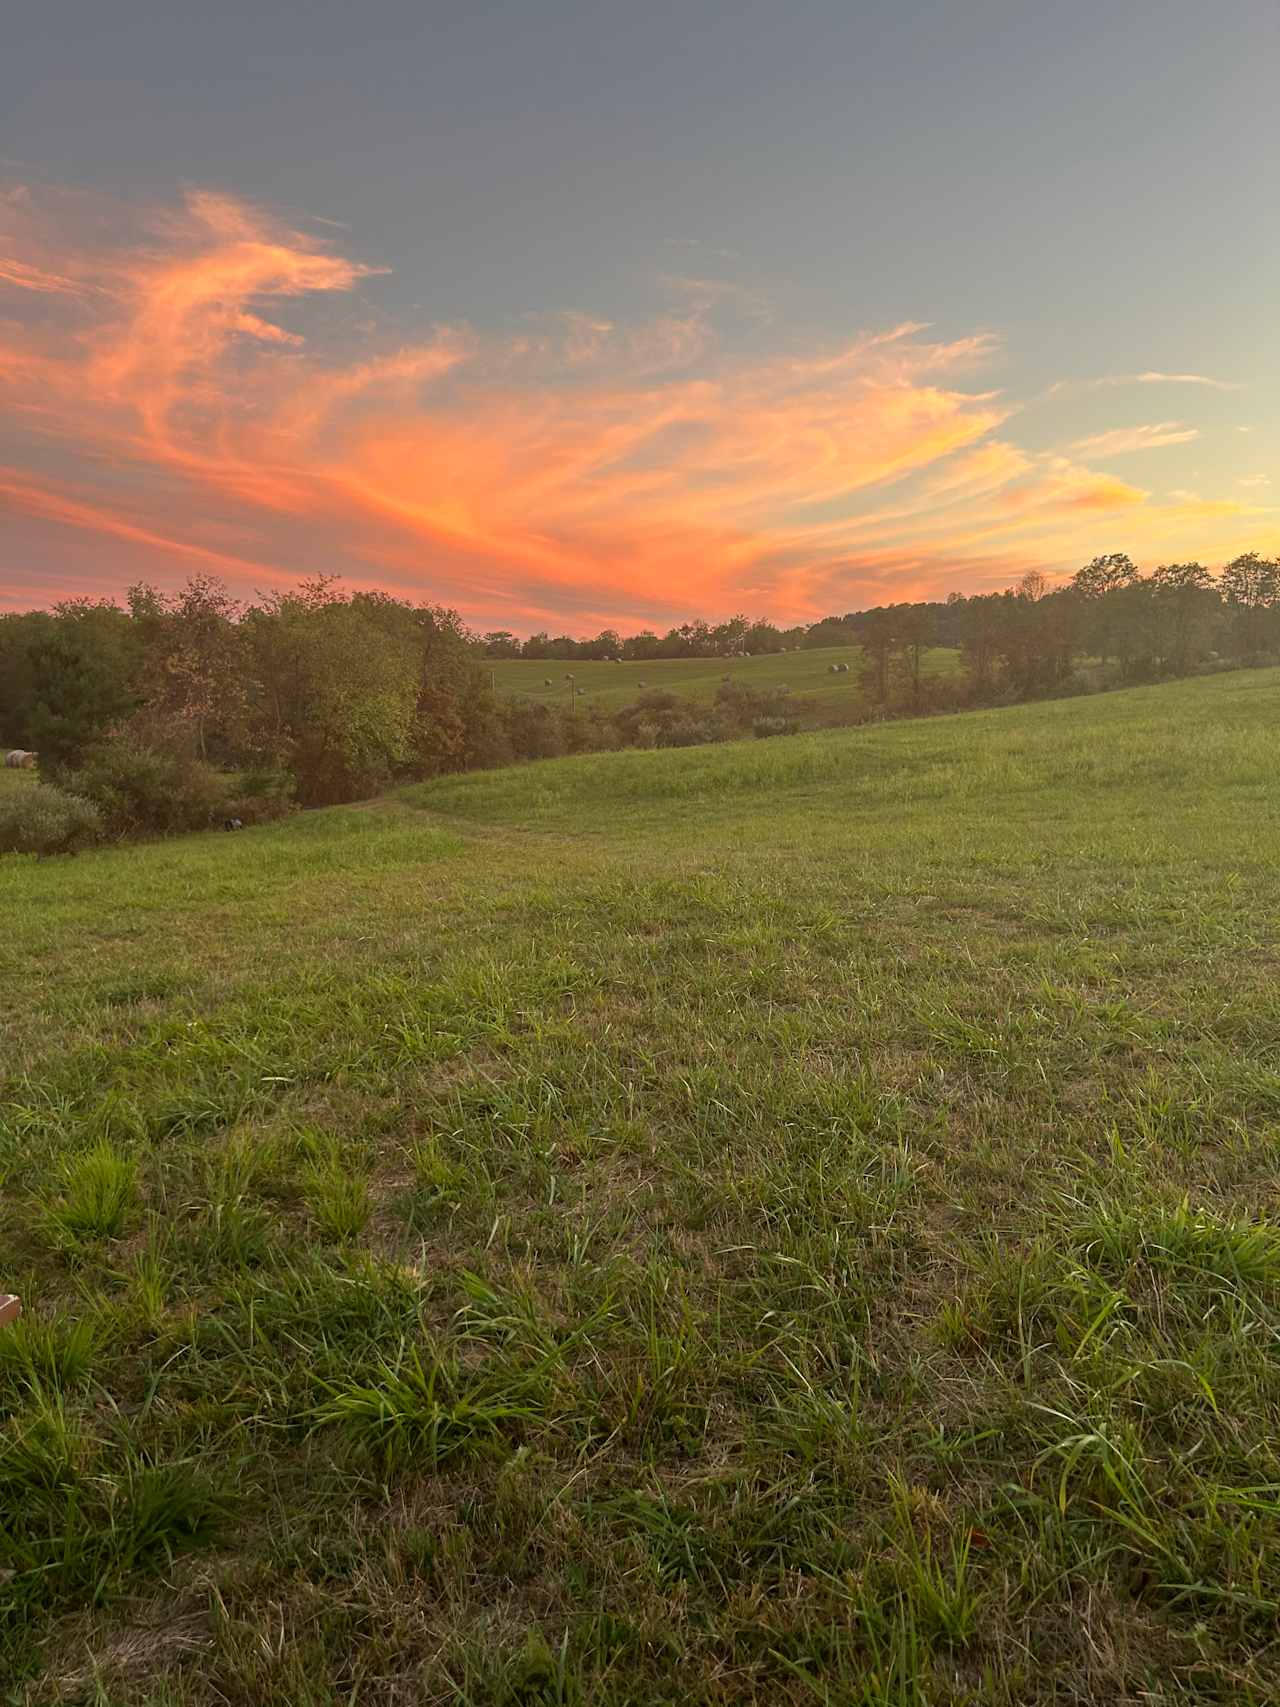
(83, 671)
(607, 644)
(342, 679)
(18, 637)
(1103, 574)
(761, 638)
(1185, 606)
(913, 634)
(833, 631)
(457, 723)
(730, 637)
(879, 636)
(1097, 586)
(194, 687)
(642, 646)
(979, 634)
(1251, 587)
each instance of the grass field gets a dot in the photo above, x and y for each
(789, 1222)
(806, 673)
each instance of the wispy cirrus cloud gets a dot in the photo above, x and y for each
(1150, 378)
(1120, 441)
(1109, 381)
(172, 401)
(22, 275)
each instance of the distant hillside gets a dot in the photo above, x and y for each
(804, 672)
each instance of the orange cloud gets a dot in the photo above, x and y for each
(574, 471)
(22, 275)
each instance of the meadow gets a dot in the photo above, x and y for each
(827, 698)
(782, 1222)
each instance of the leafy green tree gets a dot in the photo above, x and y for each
(979, 628)
(457, 723)
(761, 638)
(642, 646)
(194, 687)
(730, 637)
(913, 634)
(878, 632)
(83, 673)
(1102, 575)
(1185, 611)
(340, 682)
(1251, 588)
(18, 637)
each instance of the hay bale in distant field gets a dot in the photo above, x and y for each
(19, 760)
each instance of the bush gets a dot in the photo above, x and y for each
(591, 732)
(687, 732)
(763, 711)
(46, 820)
(660, 718)
(535, 731)
(261, 798)
(144, 790)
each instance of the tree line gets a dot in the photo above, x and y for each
(1164, 623)
(171, 708)
(334, 693)
(170, 712)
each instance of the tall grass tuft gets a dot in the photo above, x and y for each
(420, 1410)
(99, 1189)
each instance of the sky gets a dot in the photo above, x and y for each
(582, 312)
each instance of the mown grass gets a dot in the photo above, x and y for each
(823, 697)
(789, 1222)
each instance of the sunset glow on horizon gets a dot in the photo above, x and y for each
(195, 381)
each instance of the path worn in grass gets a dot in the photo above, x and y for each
(779, 1223)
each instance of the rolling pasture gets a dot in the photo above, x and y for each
(784, 1222)
(612, 685)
